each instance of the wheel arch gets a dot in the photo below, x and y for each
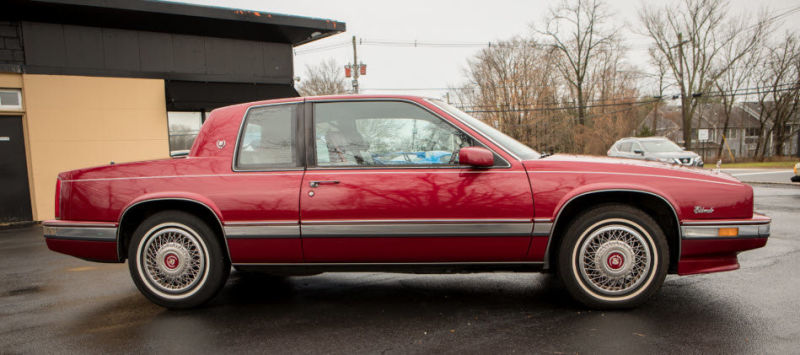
(656, 205)
(140, 209)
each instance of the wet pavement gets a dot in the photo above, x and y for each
(55, 303)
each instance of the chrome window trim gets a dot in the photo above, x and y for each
(241, 127)
(76, 232)
(313, 145)
(558, 216)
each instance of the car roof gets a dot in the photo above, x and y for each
(644, 138)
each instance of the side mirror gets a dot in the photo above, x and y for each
(475, 156)
(640, 152)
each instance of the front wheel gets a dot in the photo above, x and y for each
(613, 256)
(176, 260)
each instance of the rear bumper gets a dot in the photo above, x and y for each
(95, 241)
(703, 250)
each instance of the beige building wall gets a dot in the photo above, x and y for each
(76, 122)
(10, 81)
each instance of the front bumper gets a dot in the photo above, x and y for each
(96, 241)
(712, 245)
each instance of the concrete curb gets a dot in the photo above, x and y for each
(17, 225)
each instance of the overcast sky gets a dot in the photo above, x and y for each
(407, 69)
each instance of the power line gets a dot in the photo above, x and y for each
(591, 114)
(457, 44)
(559, 108)
(773, 18)
(536, 108)
(322, 48)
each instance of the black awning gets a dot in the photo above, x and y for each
(171, 17)
(203, 96)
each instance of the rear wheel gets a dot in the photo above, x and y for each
(613, 256)
(176, 260)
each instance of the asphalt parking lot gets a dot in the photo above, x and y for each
(52, 303)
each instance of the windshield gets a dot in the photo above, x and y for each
(511, 145)
(660, 146)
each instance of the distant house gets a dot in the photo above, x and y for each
(740, 138)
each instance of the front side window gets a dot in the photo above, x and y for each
(267, 140)
(384, 133)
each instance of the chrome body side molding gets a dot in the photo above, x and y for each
(429, 229)
(542, 229)
(262, 231)
(87, 232)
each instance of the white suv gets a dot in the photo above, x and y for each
(655, 149)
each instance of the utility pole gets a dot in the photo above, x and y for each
(355, 72)
(687, 138)
(356, 69)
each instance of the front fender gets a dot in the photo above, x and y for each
(612, 187)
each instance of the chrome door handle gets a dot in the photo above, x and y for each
(321, 182)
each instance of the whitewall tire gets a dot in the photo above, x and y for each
(613, 256)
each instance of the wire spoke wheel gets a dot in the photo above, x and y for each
(614, 259)
(613, 256)
(176, 259)
(172, 260)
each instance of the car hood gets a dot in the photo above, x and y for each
(560, 162)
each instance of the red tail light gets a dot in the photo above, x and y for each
(58, 198)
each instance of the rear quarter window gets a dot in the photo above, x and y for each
(268, 139)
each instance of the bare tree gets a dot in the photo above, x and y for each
(691, 36)
(658, 61)
(577, 30)
(506, 83)
(779, 95)
(325, 78)
(748, 51)
(516, 87)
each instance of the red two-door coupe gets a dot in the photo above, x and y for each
(396, 183)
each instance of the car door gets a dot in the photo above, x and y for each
(383, 185)
(262, 216)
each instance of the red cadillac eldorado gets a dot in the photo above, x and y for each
(396, 183)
